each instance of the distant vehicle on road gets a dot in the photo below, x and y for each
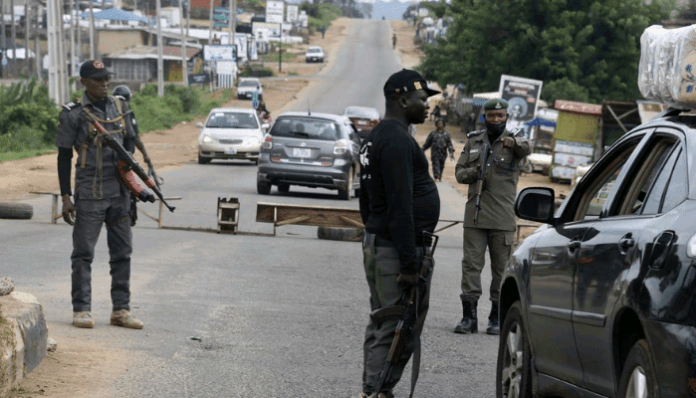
(600, 301)
(231, 133)
(538, 163)
(314, 54)
(316, 150)
(247, 86)
(364, 119)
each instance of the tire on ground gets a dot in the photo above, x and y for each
(16, 211)
(342, 234)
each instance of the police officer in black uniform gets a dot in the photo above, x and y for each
(398, 201)
(100, 196)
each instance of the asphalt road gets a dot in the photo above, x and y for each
(276, 316)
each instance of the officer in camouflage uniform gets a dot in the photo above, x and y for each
(440, 141)
(496, 225)
(100, 196)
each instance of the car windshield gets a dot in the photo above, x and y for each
(248, 84)
(232, 120)
(306, 127)
(314, 50)
(367, 113)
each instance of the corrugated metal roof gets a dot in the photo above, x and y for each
(578, 107)
(147, 52)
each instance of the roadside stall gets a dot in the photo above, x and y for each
(575, 137)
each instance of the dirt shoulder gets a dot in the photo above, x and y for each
(178, 146)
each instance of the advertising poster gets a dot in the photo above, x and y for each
(522, 96)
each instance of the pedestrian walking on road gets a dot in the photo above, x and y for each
(496, 224)
(398, 202)
(100, 196)
(394, 40)
(441, 142)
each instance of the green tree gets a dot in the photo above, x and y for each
(582, 48)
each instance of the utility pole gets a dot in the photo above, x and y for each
(72, 38)
(14, 40)
(26, 62)
(184, 63)
(91, 29)
(57, 78)
(233, 27)
(210, 32)
(160, 62)
(37, 48)
(280, 49)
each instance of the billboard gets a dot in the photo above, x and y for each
(273, 29)
(292, 13)
(219, 53)
(522, 96)
(274, 18)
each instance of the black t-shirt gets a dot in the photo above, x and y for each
(398, 198)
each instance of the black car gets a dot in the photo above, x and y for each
(601, 301)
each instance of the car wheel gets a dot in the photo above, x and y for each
(514, 374)
(357, 192)
(263, 188)
(638, 376)
(528, 167)
(203, 160)
(255, 161)
(345, 193)
(284, 188)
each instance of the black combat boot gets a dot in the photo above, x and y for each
(493, 322)
(469, 322)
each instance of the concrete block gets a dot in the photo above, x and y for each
(23, 338)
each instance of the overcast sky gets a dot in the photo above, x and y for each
(391, 10)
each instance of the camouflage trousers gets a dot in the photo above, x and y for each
(438, 158)
(381, 270)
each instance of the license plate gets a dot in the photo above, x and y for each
(230, 151)
(362, 122)
(301, 152)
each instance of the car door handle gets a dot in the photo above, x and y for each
(573, 245)
(627, 242)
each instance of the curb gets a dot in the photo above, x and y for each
(23, 337)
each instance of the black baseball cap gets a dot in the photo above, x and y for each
(94, 69)
(407, 80)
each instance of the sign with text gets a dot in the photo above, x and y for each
(292, 13)
(522, 96)
(272, 28)
(201, 78)
(274, 18)
(219, 53)
(275, 7)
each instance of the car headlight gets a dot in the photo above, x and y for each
(207, 139)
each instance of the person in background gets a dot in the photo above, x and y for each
(440, 141)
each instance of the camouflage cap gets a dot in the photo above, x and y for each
(495, 104)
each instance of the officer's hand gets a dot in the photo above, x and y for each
(508, 142)
(406, 281)
(69, 214)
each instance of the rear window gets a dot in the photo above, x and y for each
(307, 128)
(314, 50)
(232, 120)
(248, 84)
(366, 113)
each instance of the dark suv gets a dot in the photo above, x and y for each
(601, 301)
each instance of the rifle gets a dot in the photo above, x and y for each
(480, 182)
(128, 159)
(407, 315)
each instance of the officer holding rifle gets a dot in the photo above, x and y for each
(489, 220)
(102, 192)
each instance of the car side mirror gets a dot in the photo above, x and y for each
(265, 126)
(199, 125)
(536, 204)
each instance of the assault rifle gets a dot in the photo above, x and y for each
(128, 159)
(407, 314)
(480, 182)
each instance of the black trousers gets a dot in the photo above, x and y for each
(91, 215)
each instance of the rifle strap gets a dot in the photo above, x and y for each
(94, 135)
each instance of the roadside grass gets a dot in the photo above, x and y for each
(26, 154)
(287, 57)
